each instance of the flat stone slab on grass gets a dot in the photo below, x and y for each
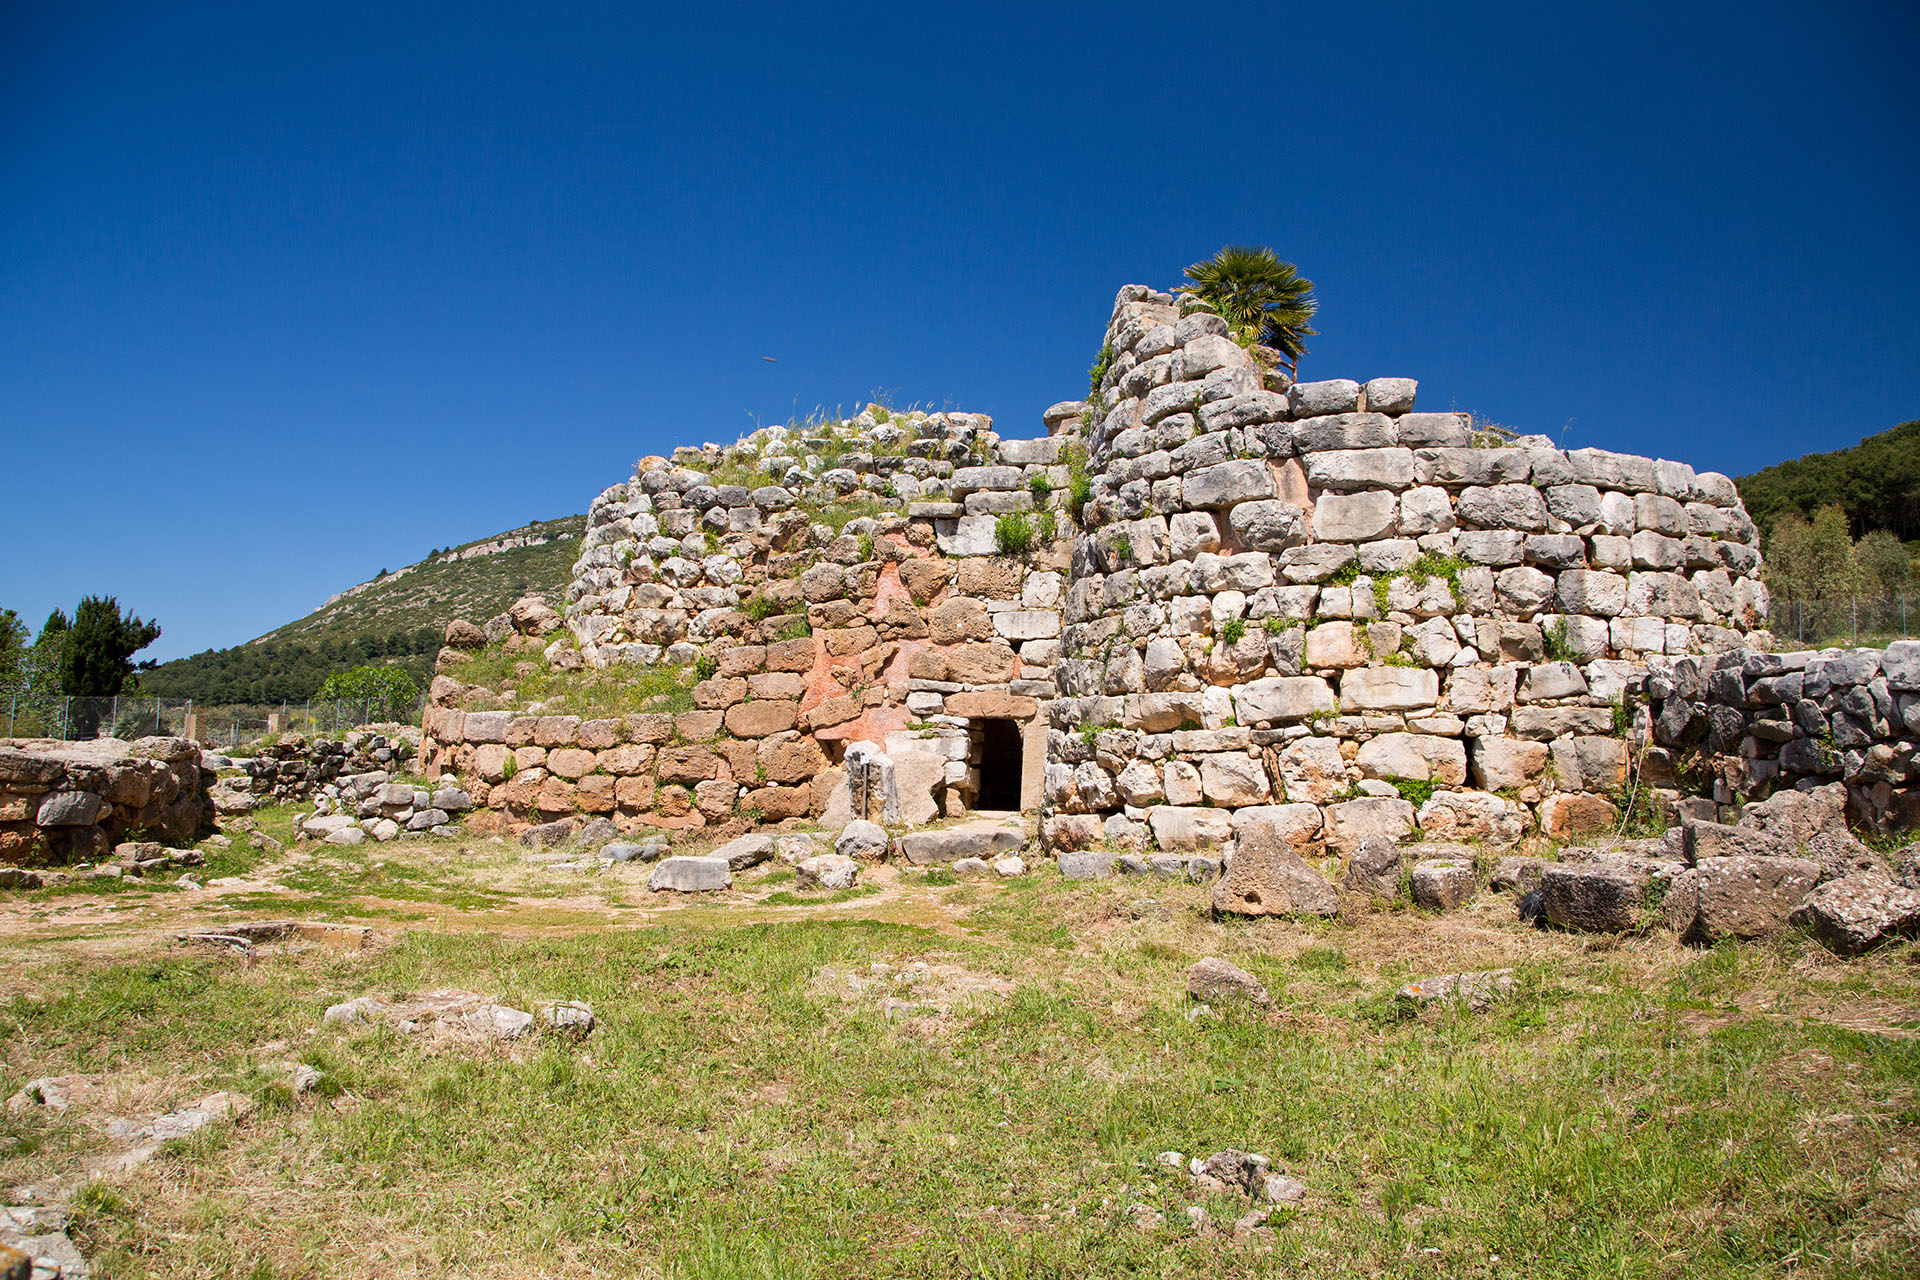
(690, 875)
(1475, 990)
(924, 848)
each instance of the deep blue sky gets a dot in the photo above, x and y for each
(288, 297)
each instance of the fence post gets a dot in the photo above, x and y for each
(1853, 603)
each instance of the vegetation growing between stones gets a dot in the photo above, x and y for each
(620, 689)
(1555, 637)
(1013, 533)
(1259, 296)
(1097, 374)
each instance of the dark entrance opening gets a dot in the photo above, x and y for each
(1000, 748)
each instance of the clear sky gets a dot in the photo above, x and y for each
(291, 294)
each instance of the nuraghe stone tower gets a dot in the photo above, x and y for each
(1207, 598)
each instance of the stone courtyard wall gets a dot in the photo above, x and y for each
(902, 628)
(1311, 608)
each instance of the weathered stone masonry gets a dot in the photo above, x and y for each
(1309, 606)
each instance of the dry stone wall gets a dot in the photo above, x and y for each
(63, 802)
(901, 627)
(1309, 611)
(1772, 721)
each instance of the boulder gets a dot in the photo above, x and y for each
(747, 851)
(1443, 884)
(1267, 878)
(1217, 982)
(623, 852)
(1374, 867)
(1085, 864)
(826, 871)
(1604, 896)
(1738, 897)
(923, 848)
(861, 839)
(1859, 912)
(1516, 874)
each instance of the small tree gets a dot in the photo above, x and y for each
(1259, 296)
(99, 647)
(13, 648)
(388, 691)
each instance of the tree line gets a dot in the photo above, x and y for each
(90, 654)
(290, 670)
(1819, 559)
(1876, 484)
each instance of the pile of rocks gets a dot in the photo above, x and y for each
(65, 802)
(357, 806)
(1790, 859)
(455, 1013)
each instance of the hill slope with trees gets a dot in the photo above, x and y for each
(397, 618)
(1876, 482)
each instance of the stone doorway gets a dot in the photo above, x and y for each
(995, 751)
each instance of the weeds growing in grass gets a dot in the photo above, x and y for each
(746, 1108)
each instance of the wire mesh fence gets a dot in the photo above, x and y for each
(1848, 622)
(129, 716)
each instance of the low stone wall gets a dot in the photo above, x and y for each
(1772, 721)
(63, 802)
(374, 805)
(295, 768)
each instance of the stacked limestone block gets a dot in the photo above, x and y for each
(904, 629)
(1300, 599)
(670, 556)
(64, 802)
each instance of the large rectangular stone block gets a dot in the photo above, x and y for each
(1281, 699)
(1388, 689)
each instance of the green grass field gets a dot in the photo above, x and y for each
(759, 1101)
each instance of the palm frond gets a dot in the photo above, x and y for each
(1254, 290)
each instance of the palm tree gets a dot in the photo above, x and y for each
(1258, 295)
